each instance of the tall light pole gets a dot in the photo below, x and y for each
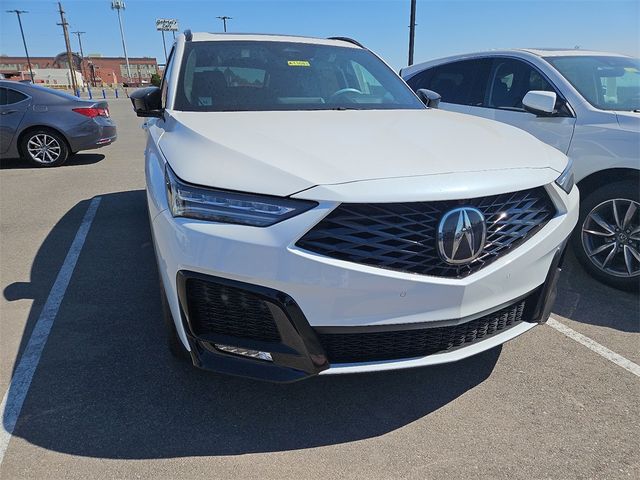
(412, 31)
(118, 5)
(224, 19)
(18, 13)
(81, 52)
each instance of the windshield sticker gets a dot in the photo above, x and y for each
(298, 63)
(631, 69)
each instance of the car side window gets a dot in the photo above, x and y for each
(456, 82)
(164, 86)
(3, 96)
(511, 79)
(14, 96)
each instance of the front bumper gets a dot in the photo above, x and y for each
(316, 292)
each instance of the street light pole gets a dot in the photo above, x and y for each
(81, 52)
(118, 5)
(224, 19)
(412, 31)
(164, 44)
(18, 13)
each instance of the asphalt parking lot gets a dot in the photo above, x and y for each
(108, 401)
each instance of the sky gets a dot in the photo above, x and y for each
(444, 27)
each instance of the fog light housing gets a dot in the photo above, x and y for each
(244, 352)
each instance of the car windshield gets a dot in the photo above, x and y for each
(608, 83)
(267, 75)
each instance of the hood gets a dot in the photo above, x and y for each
(281, 153)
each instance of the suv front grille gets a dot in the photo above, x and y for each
(402, 344)
(403, 236)
(216, 309)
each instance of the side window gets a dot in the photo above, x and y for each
(3, 96)
(164, 86)
(510, 81)
(455, 82)
(14, 96)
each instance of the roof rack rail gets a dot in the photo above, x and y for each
(188, 35)
(347, 39)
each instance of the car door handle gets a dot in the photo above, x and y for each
(7, 112)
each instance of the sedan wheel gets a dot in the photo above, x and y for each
(44, 148)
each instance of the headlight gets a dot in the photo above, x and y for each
(228, 207)
(565, 181)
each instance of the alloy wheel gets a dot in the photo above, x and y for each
(611, 237)
(44, 148)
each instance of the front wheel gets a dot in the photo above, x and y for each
(606, 240)
(44, 148)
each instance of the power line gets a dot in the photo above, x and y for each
(18, 13)
(224, 19)
(64, 24)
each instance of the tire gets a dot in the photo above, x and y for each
(43, 147)
(607, 251)
(173, 341)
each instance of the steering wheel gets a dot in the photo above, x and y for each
(342, 91)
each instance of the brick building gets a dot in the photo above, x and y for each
(95, 69)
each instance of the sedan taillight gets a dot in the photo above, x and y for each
(92, 112)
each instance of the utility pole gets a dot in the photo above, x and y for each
(81, 52)
(18, 13)
(118, 5)
(412, 31)
(64, 24)
(224, 19)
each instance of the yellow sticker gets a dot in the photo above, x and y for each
(298, 63)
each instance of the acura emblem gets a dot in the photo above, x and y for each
(461, 235)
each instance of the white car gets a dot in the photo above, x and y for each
(310, 215)
(585, 104)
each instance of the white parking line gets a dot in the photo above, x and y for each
(17, 392)
(596, 347)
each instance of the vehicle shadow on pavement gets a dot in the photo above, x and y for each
(74, 160)
(583, 299)
(106, 385)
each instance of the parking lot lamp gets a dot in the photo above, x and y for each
(118, 5)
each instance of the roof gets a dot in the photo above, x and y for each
(407, 72)
(565, 52)
(204, 37)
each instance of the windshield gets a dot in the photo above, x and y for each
(608, 83)
(265, 75)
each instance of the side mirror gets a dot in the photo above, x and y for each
(540, 103)
(147, 102)
(430, 98)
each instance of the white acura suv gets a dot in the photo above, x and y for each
(311, 215)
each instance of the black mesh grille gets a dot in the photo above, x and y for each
(403, 236)
(216, 309)
(375, 346)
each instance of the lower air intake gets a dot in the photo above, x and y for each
(400, 344)
(216, 309)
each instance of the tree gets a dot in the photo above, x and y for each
(155, 79)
